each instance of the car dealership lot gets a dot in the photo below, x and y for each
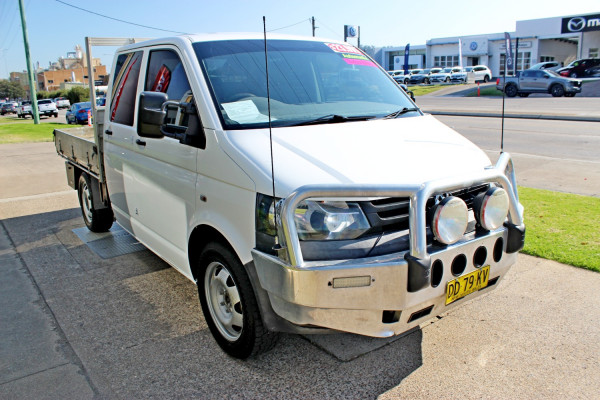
(130, 326)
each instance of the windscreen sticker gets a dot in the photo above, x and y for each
(351, 54)
(245, 112)
(343, 48)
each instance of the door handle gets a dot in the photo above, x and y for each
(108, 132)
(140, 142)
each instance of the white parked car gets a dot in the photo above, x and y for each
(62, 102)
(481, 73)
(461, 75)
(444, 75)
(550, 65)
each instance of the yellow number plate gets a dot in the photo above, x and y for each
(460, 287)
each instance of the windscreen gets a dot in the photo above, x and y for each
(308, 81)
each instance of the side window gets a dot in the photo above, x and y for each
(123, 97)
(167, 75)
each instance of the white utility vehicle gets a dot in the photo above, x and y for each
(325, 200)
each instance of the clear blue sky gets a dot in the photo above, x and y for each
(55, 28)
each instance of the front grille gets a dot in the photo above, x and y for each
(390, 214)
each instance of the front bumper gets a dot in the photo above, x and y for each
(399, 292)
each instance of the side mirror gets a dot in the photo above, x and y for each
(151, 115)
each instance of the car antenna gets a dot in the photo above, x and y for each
(277, 245)
(508, 61)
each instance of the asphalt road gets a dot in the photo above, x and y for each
(556, 155)
(75, 325)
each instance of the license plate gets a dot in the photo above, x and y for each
(472, 282)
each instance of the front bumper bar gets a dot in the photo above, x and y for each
(302, 292)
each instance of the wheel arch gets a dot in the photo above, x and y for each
(201, 236)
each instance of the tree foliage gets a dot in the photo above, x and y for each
(12, 90)
(78, 94)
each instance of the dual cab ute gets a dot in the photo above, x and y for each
(539, 81)
(323, 201)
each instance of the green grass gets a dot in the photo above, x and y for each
(487, 91)
(562, 227)
(421, 90)
(21, 131)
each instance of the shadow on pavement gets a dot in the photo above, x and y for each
(137, 328)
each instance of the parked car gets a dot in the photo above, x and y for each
(423, 76)
(461, 76)
(539, 81)
(62, 102)
(8, 108)
(24, 108)
(78, 113)
(551, 65)
(398, 75)
(577, 68)
(444, 75)
(100, 101)
(481, 73)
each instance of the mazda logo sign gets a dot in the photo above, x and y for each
(576, 24)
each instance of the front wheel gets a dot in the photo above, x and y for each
(97, 220)
(229, 305)
(557, 91)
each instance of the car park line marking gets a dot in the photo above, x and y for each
(35, 196)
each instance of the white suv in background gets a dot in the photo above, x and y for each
(481, 73)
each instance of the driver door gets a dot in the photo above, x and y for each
(161, 175)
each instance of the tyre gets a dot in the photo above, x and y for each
(426, 81)
(447, 80)
(97, 220)
(511, 90)
(523, 94)
(229, 305)
(486, 79)
(55, 115)
(557, 90)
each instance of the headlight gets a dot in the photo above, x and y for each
(329, 220)
(449, 220)
(491, 208)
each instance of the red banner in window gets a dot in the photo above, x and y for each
(161, 83)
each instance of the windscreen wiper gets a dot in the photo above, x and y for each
(333, 119)
(404, 110)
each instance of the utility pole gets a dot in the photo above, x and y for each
(313, 25)
(34, 105)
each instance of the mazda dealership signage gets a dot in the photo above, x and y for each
(583, 23)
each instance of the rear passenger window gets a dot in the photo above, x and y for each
(123, 97)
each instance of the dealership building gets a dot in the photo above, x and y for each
(561, 39)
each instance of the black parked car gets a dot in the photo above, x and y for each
(578, 68)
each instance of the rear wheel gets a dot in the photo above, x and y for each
(557, 90)
(511, 90)
(229, 305)
(486, 79)
(97, 220)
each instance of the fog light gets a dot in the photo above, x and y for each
(491, 208)
(450, 220)
(354, 281)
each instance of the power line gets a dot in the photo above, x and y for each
(328, 28)
(117, 19)
(289, 26)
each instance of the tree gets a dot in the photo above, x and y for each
(12, 90)
(78, 94)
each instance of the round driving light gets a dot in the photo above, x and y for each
(450, 220)
(491, 208)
